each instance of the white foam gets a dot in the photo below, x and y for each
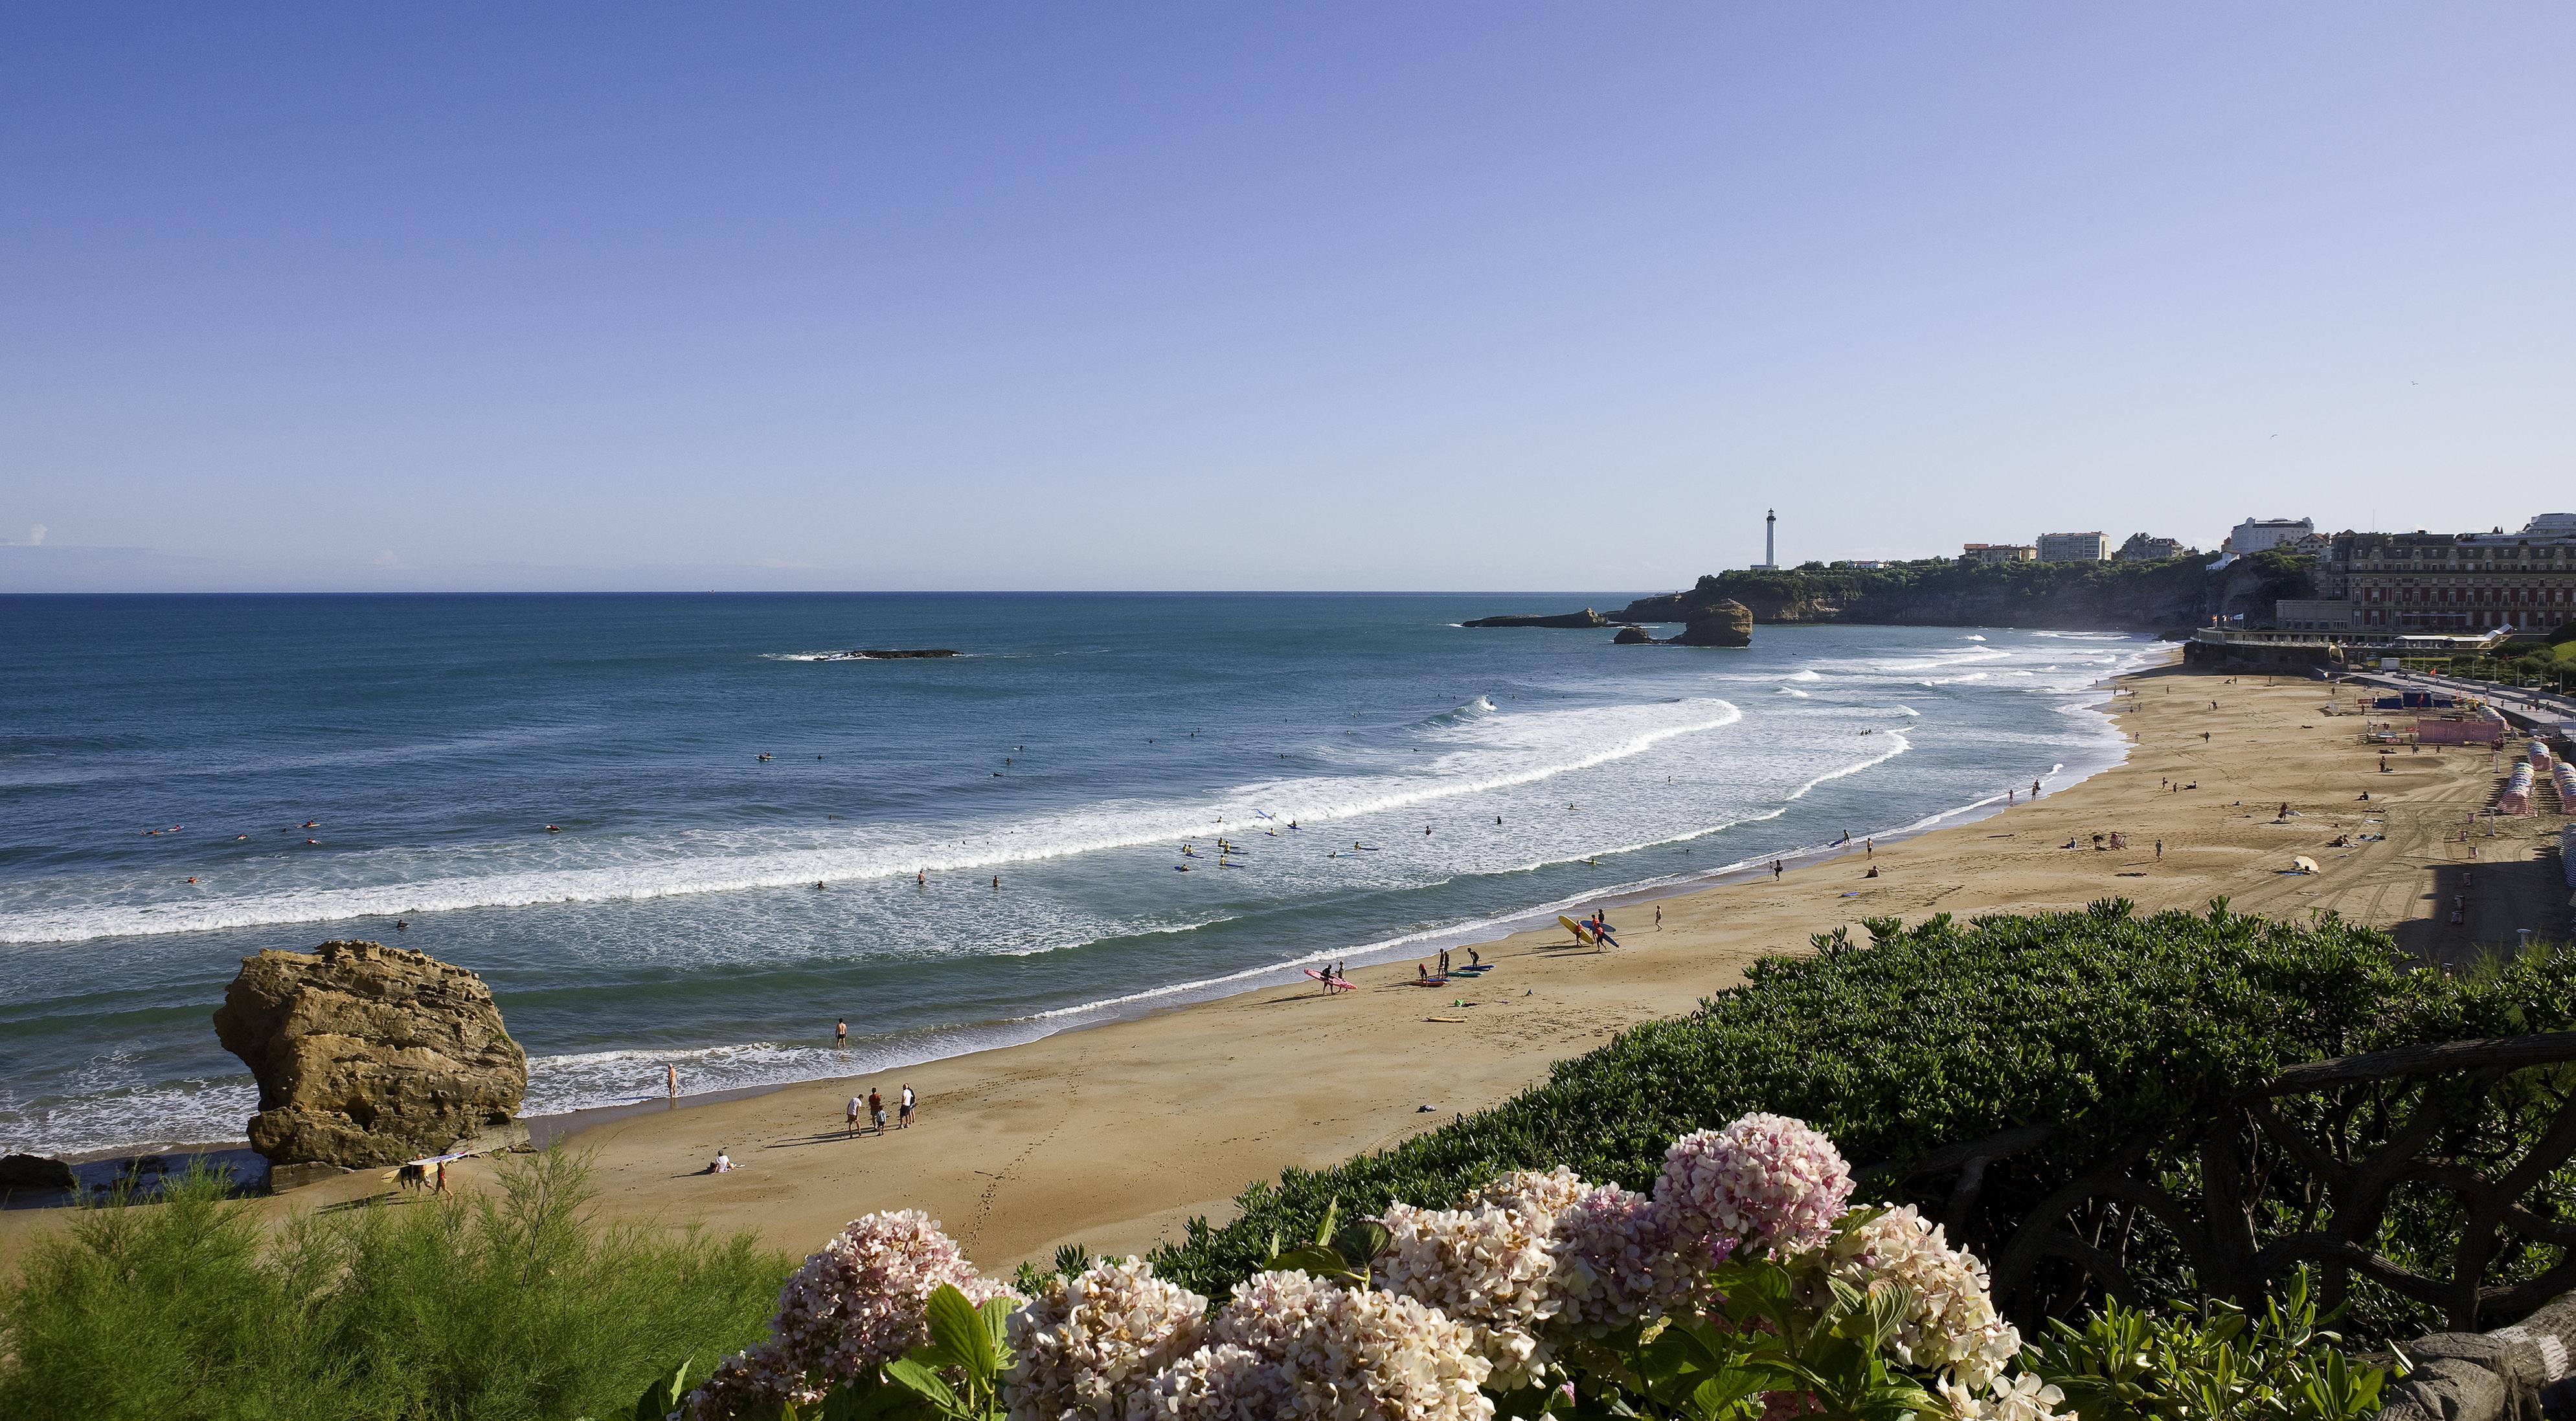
(1486, 753)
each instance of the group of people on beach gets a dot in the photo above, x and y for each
(875, 1105)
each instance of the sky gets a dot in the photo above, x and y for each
(1368, 296)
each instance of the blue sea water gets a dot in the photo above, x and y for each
(161, 757)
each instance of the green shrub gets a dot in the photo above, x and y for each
(2210, 1363)
(494, 1309)
(2099, 1022)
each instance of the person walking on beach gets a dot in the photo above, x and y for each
(852, 1129)
(674, 1073)
(1775, 870)
(1659, 917)
(841, 1034)
(903, 1111)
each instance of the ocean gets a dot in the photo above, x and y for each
(566, 794)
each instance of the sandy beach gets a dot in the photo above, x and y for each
(1115, 1136)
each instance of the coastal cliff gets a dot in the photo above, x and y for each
(2096, 596)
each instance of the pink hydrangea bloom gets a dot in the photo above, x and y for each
(1766, 1179)
(861, 1302)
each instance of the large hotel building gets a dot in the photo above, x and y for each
(2447, 582)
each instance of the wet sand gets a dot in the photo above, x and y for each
(1114, 1136)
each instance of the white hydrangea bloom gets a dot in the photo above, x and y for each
(1951, 1322)
(1488, 1267)
(2022, 1398)
(1295, 1349)
(1546, 1192)
(1085, 1343)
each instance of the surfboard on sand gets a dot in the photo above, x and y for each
(1332, 981)
(1581, 933)
(1431, 981)
(1476, 970)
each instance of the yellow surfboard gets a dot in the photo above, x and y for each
(1581, 933)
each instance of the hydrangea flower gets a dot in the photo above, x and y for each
(1088, 1341)
(1294, 1348)
(2023, 1398)
(1488, 1266)
(1614, 1262)
(1951, 1321)
(1766, 1179)
(861, 1302)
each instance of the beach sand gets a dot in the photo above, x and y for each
(1115, 1136)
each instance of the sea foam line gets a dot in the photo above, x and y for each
(1316, 800)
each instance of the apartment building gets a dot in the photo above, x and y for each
(2074, 547)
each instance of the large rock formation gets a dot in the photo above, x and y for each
(367, 1055)
(1724, 623)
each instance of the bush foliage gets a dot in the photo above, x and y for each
(496, 1310)
(2099, 1022)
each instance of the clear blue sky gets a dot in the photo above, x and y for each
(1214, 296)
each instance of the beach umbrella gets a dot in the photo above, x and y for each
(2303, 864)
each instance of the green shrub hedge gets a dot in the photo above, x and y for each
(2100, 1022)
(513, 1309)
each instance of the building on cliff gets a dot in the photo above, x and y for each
(2141, 548)
(2074, 547)
(2256, 534)
(2000, 552)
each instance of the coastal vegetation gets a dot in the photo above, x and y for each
(1671, 1225)
(515, 1307)
(1744, 1285)
(2102, 1024)
(2169, 594)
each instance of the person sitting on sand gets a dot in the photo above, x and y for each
(723, 1163)
(1873, 872)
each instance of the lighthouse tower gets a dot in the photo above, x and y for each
(1770, 527)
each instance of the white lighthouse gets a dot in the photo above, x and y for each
(1770, 528)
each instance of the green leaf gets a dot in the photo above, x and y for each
(959, 1335)
(923, 1382)
(663, 1397)
(1360, 1242)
